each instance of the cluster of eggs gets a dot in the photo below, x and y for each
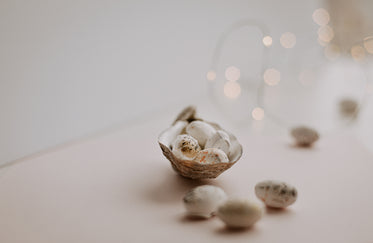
(206, 201)
(199, 150)
(202, 143)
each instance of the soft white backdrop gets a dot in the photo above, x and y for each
(71, 68)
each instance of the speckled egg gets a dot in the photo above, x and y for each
(276, 194)
(185, 147)
(211, 156)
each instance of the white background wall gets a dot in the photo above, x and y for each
(70, 68)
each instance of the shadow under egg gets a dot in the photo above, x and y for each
(225, 230)
(278, 211)
(193, 219)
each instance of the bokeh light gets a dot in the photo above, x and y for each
(257, 114)
(369, 89)
(332, 52)
(321, 16)
(368, 44)
(211, 75)
(267, 41)
(232, 89)
(326, 33)
(288, 40)
(358, 53)
(232, 73)
(322, 43)
(306, 77)
(272, 76)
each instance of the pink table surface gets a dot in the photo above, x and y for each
(118, 187)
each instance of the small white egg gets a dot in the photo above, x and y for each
(240, 213)
(276, 194)
(203, 201)
(201, 131)
(211, 156)
(304, 136)
(185, 147)
(348, 107)
(219, 140)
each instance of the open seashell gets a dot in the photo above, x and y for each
(187, 167)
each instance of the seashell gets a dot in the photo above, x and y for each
(187, 114)
(276, 194)
(348, 107)
(201, 131)
(239, 213)
(219, 140)
(185, 147)
(192, 169)
(211, 156)
(203, 201)
(171, 133)
(304, 136)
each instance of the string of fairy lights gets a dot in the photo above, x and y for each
(272, 76)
